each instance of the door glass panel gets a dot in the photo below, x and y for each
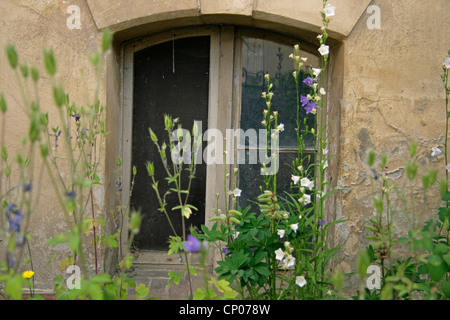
(260, 57)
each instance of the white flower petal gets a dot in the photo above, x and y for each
(300, 281)
(305, 182)
(279, 254)
(316, 72)
(329, 10)
(294, 227)
(289, 262)
(305, 199)
(295, 179)
(447, 62)
(324, 49)
(237, 192)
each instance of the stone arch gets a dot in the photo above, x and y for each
(287, 16)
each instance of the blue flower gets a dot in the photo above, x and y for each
(10, 260)
(76, 116)
(192, 244)
(56, 135)
(27, 187)
(304, 100)
(225, 250)
(310, 107)
(71, 194)
(119, 184)
(309, 82)
(322, 223)
(14, 217)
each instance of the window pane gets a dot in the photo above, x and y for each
(260, 57)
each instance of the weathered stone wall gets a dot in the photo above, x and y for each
(392, 95)
(385, 88)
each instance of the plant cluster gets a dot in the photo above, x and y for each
(69, 150)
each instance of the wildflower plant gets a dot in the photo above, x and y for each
(281, 251)
(71, 143)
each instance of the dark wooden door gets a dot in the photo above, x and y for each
(169, 78)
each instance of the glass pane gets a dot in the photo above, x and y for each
(260, 57)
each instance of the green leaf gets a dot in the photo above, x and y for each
(373, 229)
(386, 292)
(112, 243)
(50, 62)
(152, 135)
(371, 158)
(446, 289)
(135, 222)
(413, 148)
(440, 249)
(142, 291)
(436, 268)
(175, 244)
(74, 241)
(11, 54)
(446, 196)
(378, 202)
(150, 168)
(13, 287)
(3, 105)
(127, 262)
(4, 153)
(59, 94)
(174, 277)
(95, 59)
(363, 262)
(106, 39)
(262, 269)
(403, 240)
(34, 74)
(444, 213)
(447, 259)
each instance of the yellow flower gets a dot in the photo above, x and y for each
(28, 274)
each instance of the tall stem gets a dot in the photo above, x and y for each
(446, 124)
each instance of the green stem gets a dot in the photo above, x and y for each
(446, 125)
